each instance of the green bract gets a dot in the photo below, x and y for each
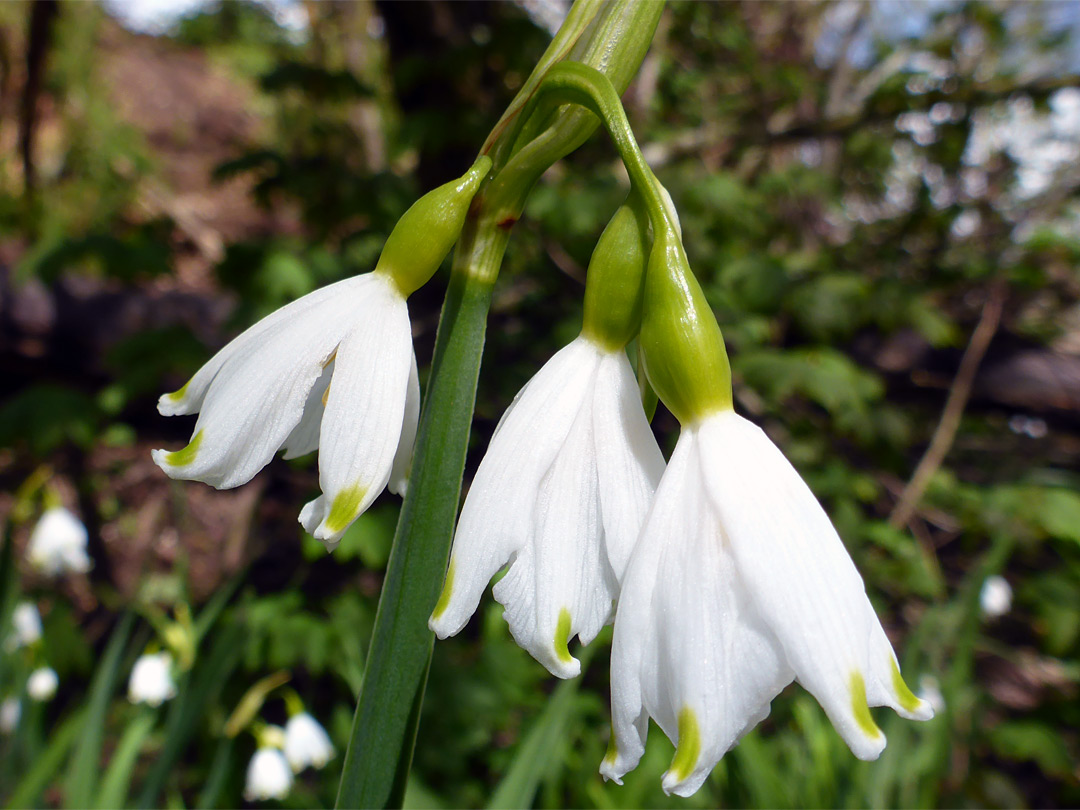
(683, 350)
(614, 286)
(426, 232)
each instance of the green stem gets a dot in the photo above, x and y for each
(387, 714)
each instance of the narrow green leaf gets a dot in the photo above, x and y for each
(117, 780)
(83, 771)
(220, 768)
(48, 763)
(189, 707)
(384, 728)
(538, 751)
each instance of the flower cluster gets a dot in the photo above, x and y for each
(725, 578)
(283, 752)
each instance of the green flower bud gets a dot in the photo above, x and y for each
(615, 286)
(426, 232)
(683, 350)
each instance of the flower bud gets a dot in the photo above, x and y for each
(684, 354)
(426, 232)
(614, 286)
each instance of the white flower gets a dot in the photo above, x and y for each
(738, 584)
(333, 371)
(306, 743)
(26, 622)
(561, 495)
(10, 711)
(42, 683)
(268, 776)
(58, 544)
(930, 691)
(151, 680)
(995, 598)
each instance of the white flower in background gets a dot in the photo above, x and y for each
(42, 683)
(306, 743)
(268, 775)
(26, 623)
(930, 691)
(560, 495)
(333, 371)
(151, 680)
(10, 711)
(995, 598)
(58, 544)
(738, 584)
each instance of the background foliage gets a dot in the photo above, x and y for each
(881, 204)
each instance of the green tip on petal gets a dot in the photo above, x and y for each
(860, 708)
(176, 396)
(904, 695)
(612, 752)
(186, 455)
(345, 508)
(444, 597)
(562, 637)
(689, 747)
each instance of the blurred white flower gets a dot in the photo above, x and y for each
(306, 743)
(738, 584)
(58, 544)
(268, 776)
(151, 679)
(930, 691)
(561, 495)
(995, 598)
(26, 623)
(333, 371)
(10, 711)
(42, 683)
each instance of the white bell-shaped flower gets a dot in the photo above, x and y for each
(738, 584)
(268, 775)
(151, 680)
(58, 544)
(306, 743)
(42, 683)
(560, 495)
(10, 712)
(333, 371)
(995, 597)
(26, 626)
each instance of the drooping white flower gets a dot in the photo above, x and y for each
(26, 624)
(268, 775)
(306, 743)
(995, 597)
(738, 584)
(42, 683)
(560, 495)
(58, 544)
(333, 371)
(151, 680)
(10, 712)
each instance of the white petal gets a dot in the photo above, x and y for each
(365, 409)
(258, 397)
(497, 517)
(561, 583)
(399, 475)
(189, 399)
(304, 438)
(797, 571)
(629, 462)
(708, 667)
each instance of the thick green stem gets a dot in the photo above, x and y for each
(387, 714)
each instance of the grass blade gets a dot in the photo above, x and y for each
(117, 781)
